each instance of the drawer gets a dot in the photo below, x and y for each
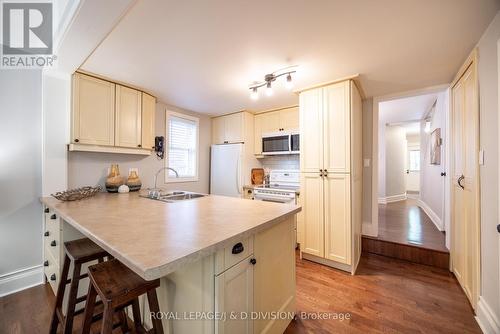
(233, 254)
(53, 245)
(51, 270)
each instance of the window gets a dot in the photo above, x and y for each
(415, 160)
(182, 147)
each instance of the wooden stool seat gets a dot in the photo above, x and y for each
(118, 287)
(115, 282)
(78, 252)
(83, 250)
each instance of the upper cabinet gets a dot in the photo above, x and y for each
(111, 117)
(274, 121)
(128, 117)
(148, 121)
(232, 128)
(93, 111)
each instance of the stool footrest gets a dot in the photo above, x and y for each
(79, 278)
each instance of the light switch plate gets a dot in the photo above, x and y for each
(481, 157)
(366, 162)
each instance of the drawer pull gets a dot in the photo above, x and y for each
(46, 264)
(53, 243)
(53, 277)
(238, 248)
(46, 234)
(46, 210)
(53, 216)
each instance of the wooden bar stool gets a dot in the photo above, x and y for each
(119, 287)
(78, 252)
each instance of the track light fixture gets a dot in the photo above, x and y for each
(269, 78)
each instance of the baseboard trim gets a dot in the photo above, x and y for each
(392, 199)
(486, 318)
(20, 280)
(432, 215)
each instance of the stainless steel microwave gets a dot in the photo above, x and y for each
(283, 142)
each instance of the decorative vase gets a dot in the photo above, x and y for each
(134, 182)
(114, 180)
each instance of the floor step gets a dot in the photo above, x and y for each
(416, 254)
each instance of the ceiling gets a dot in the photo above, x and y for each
(406, 109)
(203, 57)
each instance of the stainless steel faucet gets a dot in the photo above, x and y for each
(163, 168)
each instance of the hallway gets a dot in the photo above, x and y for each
(406, 223)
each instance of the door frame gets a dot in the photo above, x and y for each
(371, 229)
(472, 60)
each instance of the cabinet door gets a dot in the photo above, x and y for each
(289, 119)
(148, 121)
(218, 130)
(271, 122)
(311, 193)
(338, 218)
(336, 132)
(93, 111)
(257, 146)
(233, 125)
(128, 117)
(234, 294)
(311, 131)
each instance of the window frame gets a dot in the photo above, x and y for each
(168, 116)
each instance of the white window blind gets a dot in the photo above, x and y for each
(182, 147)
(414, 160)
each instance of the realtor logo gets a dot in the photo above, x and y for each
(27, 38)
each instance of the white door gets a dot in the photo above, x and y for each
(413, 169)
(225, 170)
(234, 296)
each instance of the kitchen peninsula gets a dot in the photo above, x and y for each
(215, 255)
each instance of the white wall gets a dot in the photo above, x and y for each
(488, 101)
(86, 168)
(431, 182)
(395, 159)
(20, 174)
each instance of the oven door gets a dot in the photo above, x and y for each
(273, 144)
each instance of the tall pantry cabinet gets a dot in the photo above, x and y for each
(331, 175)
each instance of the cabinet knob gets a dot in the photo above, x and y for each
(46, 210)
(139, 145)
(498, 228)
(226, 142)
(46, 264)
(443, 173)
(53, 277)
(46, 234)
(77, 140)
(53, 216)
(53, 243)
(253, 261)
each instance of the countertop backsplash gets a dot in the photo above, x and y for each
(291, 161)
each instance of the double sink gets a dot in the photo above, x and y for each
(170, 196)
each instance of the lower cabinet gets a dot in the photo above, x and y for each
(234, 292)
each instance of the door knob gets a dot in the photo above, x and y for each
(459, 181)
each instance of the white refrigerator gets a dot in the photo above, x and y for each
(226, 170)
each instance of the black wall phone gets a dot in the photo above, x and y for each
(160, 146)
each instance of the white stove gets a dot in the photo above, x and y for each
(283, 187)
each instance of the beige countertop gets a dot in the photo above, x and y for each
(155, 238)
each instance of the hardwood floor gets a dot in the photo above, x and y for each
(405, 222)
(386, 296)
